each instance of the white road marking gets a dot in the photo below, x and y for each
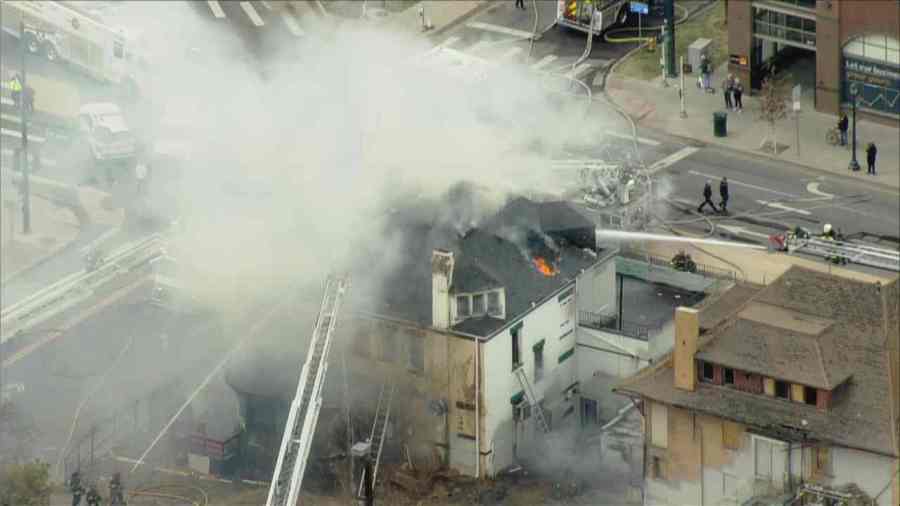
(216, 8)
(478, 46)
(449, 41)
(9, 117)
(17, 134)
(252, 14)
(672, 159)
(742, 231)
(814, 189)
(45, 161)
(292, 24)
(642, 140)
(783, 207)
(500, 29)
(579, 70)
(266, 5)
(512, 52)
(7, 101)
(747, 185)
(543, 62)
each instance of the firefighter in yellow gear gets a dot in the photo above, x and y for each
(15, 89)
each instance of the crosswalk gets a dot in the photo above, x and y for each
(259, 14)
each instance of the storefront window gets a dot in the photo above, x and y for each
(784, 26)
(872, 64)
(805, 4)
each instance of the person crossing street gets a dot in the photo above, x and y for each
(723, 193)
(871, 155)
(707, 198)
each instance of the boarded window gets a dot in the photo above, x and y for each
(731, 435)
(478, 305)
(416, 353)
(763, 457)
(659, 420)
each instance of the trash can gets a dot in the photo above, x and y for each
(720, 124)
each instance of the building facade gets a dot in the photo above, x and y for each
(856, 44)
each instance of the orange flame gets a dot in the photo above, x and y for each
(545, 267)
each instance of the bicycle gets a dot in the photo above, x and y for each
(833, 136)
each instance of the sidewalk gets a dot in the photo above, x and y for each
(443, 14)
(654, 106)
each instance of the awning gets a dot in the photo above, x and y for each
(516, 399)
(538, 346)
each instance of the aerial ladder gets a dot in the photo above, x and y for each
(536, 408)
(304, 411)
(837, 249)
(379, 432)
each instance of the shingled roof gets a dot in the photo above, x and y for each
(493, 254)
(851, 326)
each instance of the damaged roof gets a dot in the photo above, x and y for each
(843, 339)
(491, 255)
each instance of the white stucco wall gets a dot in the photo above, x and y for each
(869, 471)
(597, 289)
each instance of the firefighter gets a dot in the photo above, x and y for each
(76, 488)
(828, 232)
(116, 491)
(93, 497)
(683, 262)
(707, 197)
(15, 89)
(723, 192)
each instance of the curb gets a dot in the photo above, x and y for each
(482, 7)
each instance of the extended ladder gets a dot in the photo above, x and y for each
(379, 431)
(304, 411)
(536, 408)
(871, 256)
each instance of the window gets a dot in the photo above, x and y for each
(658, 470)
(462, 306)
(538, 361)
(809, 395)
(763, 458)
(782, 390)
(729, 376)
(118, 49)
(478, 308)
(516, 335)
(709, 371)
(493, 304)
(659, 423)
(388, 347)
(590, 412)
(416, 353)
(731, 435)
(822, 460)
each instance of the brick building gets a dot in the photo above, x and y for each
(793, 389)
(850, 41)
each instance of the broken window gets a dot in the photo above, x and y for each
(709, 371)
(493, 304)
(810, 395)
(729, 376)
(478, 308)
(782, 390)
(462, 306)
(516, 334)
(416, 353)
(539, 361)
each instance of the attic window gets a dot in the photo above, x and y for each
(462, 306)
(810, 396)
(493, 304)
(781, 390)
(478, 308)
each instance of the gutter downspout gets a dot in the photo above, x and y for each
(477, 414)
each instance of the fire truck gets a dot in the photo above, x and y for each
(60, 32)
(577, 14)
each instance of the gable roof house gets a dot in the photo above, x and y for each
(505, 286)
(794, 389)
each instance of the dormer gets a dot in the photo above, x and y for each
(485, 303)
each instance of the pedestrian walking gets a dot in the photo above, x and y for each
(704, 73)
(707, 198)
(843, 127)
(520, 4)
(738, 91)
(723, 193)
(871, 154)
(76, 488)
(728, 90)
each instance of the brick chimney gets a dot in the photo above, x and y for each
(441, 280)
(687, 331)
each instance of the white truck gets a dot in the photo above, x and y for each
(59, 31)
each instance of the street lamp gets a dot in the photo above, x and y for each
(23, 118)
(854, 90)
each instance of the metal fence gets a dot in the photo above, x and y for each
(706, 270)
(609, 323)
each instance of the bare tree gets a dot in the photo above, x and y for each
(772, 108)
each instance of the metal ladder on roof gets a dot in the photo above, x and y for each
(536, 408)
(379, 430)
(870, 256)
(304, 410)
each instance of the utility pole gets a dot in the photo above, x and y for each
(854, 89)
(681, 87)
(669, 14)
(23, 117)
